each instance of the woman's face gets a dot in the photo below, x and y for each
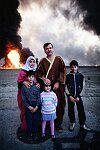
(32, 63)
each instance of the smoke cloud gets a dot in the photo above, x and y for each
(91, 14)
(90, 10)
(59, 22)
(9, 25)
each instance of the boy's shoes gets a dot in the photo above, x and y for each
(35, 137)
(30, 137)
(71, 127)
(83, 127)
(53, 137)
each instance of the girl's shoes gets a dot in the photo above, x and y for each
(43, 135)
(53, 137)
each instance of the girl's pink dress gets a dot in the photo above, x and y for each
(22, 77)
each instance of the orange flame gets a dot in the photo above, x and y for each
(14, 58)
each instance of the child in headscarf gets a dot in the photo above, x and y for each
(22, 79)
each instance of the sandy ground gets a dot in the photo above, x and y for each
(10, 121)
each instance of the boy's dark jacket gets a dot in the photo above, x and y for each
(30, 96)
(74, 83)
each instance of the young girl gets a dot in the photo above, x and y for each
(48, 108)
(22, 79)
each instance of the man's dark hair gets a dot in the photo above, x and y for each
(30, 72)
(46, 44)
(74, 62)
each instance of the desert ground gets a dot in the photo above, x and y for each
(10, 116)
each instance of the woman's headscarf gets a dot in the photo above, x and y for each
(27, 66)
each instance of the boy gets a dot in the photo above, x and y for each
(31, 100)
(74, 89)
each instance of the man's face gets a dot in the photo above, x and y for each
(49, 50)
(74, 68)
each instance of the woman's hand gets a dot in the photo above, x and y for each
(26, 83)
(37, 85)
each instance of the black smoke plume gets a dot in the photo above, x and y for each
(91, 14)
(9, 25)
(90, 9)
(25, 53)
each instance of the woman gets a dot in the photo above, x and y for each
(22, 79)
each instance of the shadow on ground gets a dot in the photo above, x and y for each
(22, 136)
(79, 142)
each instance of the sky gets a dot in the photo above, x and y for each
(56, 22)
(72, 26)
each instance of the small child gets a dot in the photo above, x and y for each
(31, 100)
(75, 86)
(48, 108)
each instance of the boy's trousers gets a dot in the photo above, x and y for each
(81, 112)
(32, 121)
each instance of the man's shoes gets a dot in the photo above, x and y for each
(83, 127)
(72, 126)
(59, 129)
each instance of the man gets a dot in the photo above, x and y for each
(52, 68)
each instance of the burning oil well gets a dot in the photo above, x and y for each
(11, 51)
(10, 19)
(9, 24)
